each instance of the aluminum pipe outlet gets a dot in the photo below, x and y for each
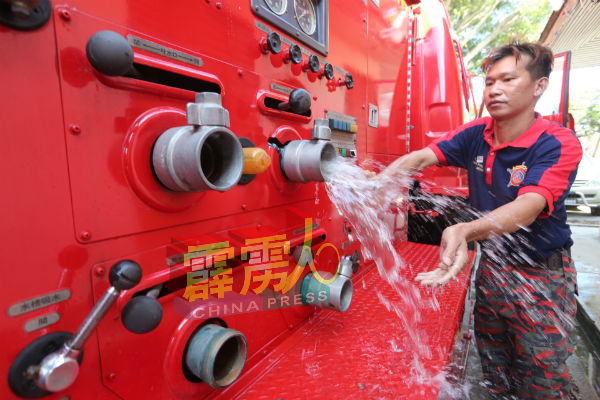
(337, 295)
(198, 158)
(216, 355)
(308, 160)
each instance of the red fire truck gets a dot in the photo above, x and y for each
(167, 163)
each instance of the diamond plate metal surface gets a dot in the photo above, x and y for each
(367, 352)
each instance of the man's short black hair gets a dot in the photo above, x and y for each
(541, 58)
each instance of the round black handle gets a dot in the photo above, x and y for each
(110, 53)
(142, 314)
(295, 54)
(125, 274)
(349, 81)
(299, 101)
(274, 42)
(313, 63)
(328, 71)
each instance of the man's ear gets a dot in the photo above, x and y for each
(540, 86)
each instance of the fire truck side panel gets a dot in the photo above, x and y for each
(39, 250)
(83, 194)
(437, 104)
(387, 97)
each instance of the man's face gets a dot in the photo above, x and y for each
(509, 88)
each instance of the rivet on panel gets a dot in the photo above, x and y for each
(75, 129)
(219, 5)
(64, 14)
(111, 376)
(244, 206)
(240, 72)
(99, 271)
(85, 235)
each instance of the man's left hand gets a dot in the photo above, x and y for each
(453, 257)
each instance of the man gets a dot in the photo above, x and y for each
(520, 169)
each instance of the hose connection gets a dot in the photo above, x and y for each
(204, 155)
(325, 290)
(310, 160)
(216, 355)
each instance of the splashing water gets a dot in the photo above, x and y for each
(367, 201)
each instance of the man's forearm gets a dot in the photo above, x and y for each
(412, 162)
(509, 218)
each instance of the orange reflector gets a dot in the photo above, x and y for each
(256, 160)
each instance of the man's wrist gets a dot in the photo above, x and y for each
(469, 230)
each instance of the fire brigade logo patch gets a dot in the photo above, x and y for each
(517, 175)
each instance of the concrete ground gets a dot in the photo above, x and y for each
(586, 253)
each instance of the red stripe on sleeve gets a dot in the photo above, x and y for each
(448, 136)
(544, 192)
(556, 178)
(439, 154)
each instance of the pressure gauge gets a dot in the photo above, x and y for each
(306, 15)
(277, 6)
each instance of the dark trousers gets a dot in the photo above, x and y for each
(523, 318)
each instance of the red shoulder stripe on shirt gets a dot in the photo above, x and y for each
(556, 178)
(448, 136)
(542, 191)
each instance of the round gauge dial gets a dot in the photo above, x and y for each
(306, 15)
(277, 6)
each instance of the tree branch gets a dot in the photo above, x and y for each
(485, 9)
(489, 38)
(473, 31)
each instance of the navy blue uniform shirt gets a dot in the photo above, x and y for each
(542, 160)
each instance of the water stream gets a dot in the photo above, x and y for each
(367, 202)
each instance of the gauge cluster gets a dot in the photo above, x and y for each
(304, 20)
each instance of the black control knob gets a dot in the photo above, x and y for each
(271, 43)
(110, 53)
(125, 274)
(349, 81)
(299, 102)
(312, 64)
(142, 314)
(328, 71)
(294, 54)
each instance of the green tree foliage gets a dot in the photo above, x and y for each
(586, 112)
(482, 25)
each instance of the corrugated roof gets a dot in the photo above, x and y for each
(576, 27)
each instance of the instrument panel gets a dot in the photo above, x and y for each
(305, 20)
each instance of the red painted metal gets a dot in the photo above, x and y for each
(80, 194)
(437, 106)
(360, 354)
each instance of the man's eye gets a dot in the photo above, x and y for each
(508, 79)
(488, 84)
